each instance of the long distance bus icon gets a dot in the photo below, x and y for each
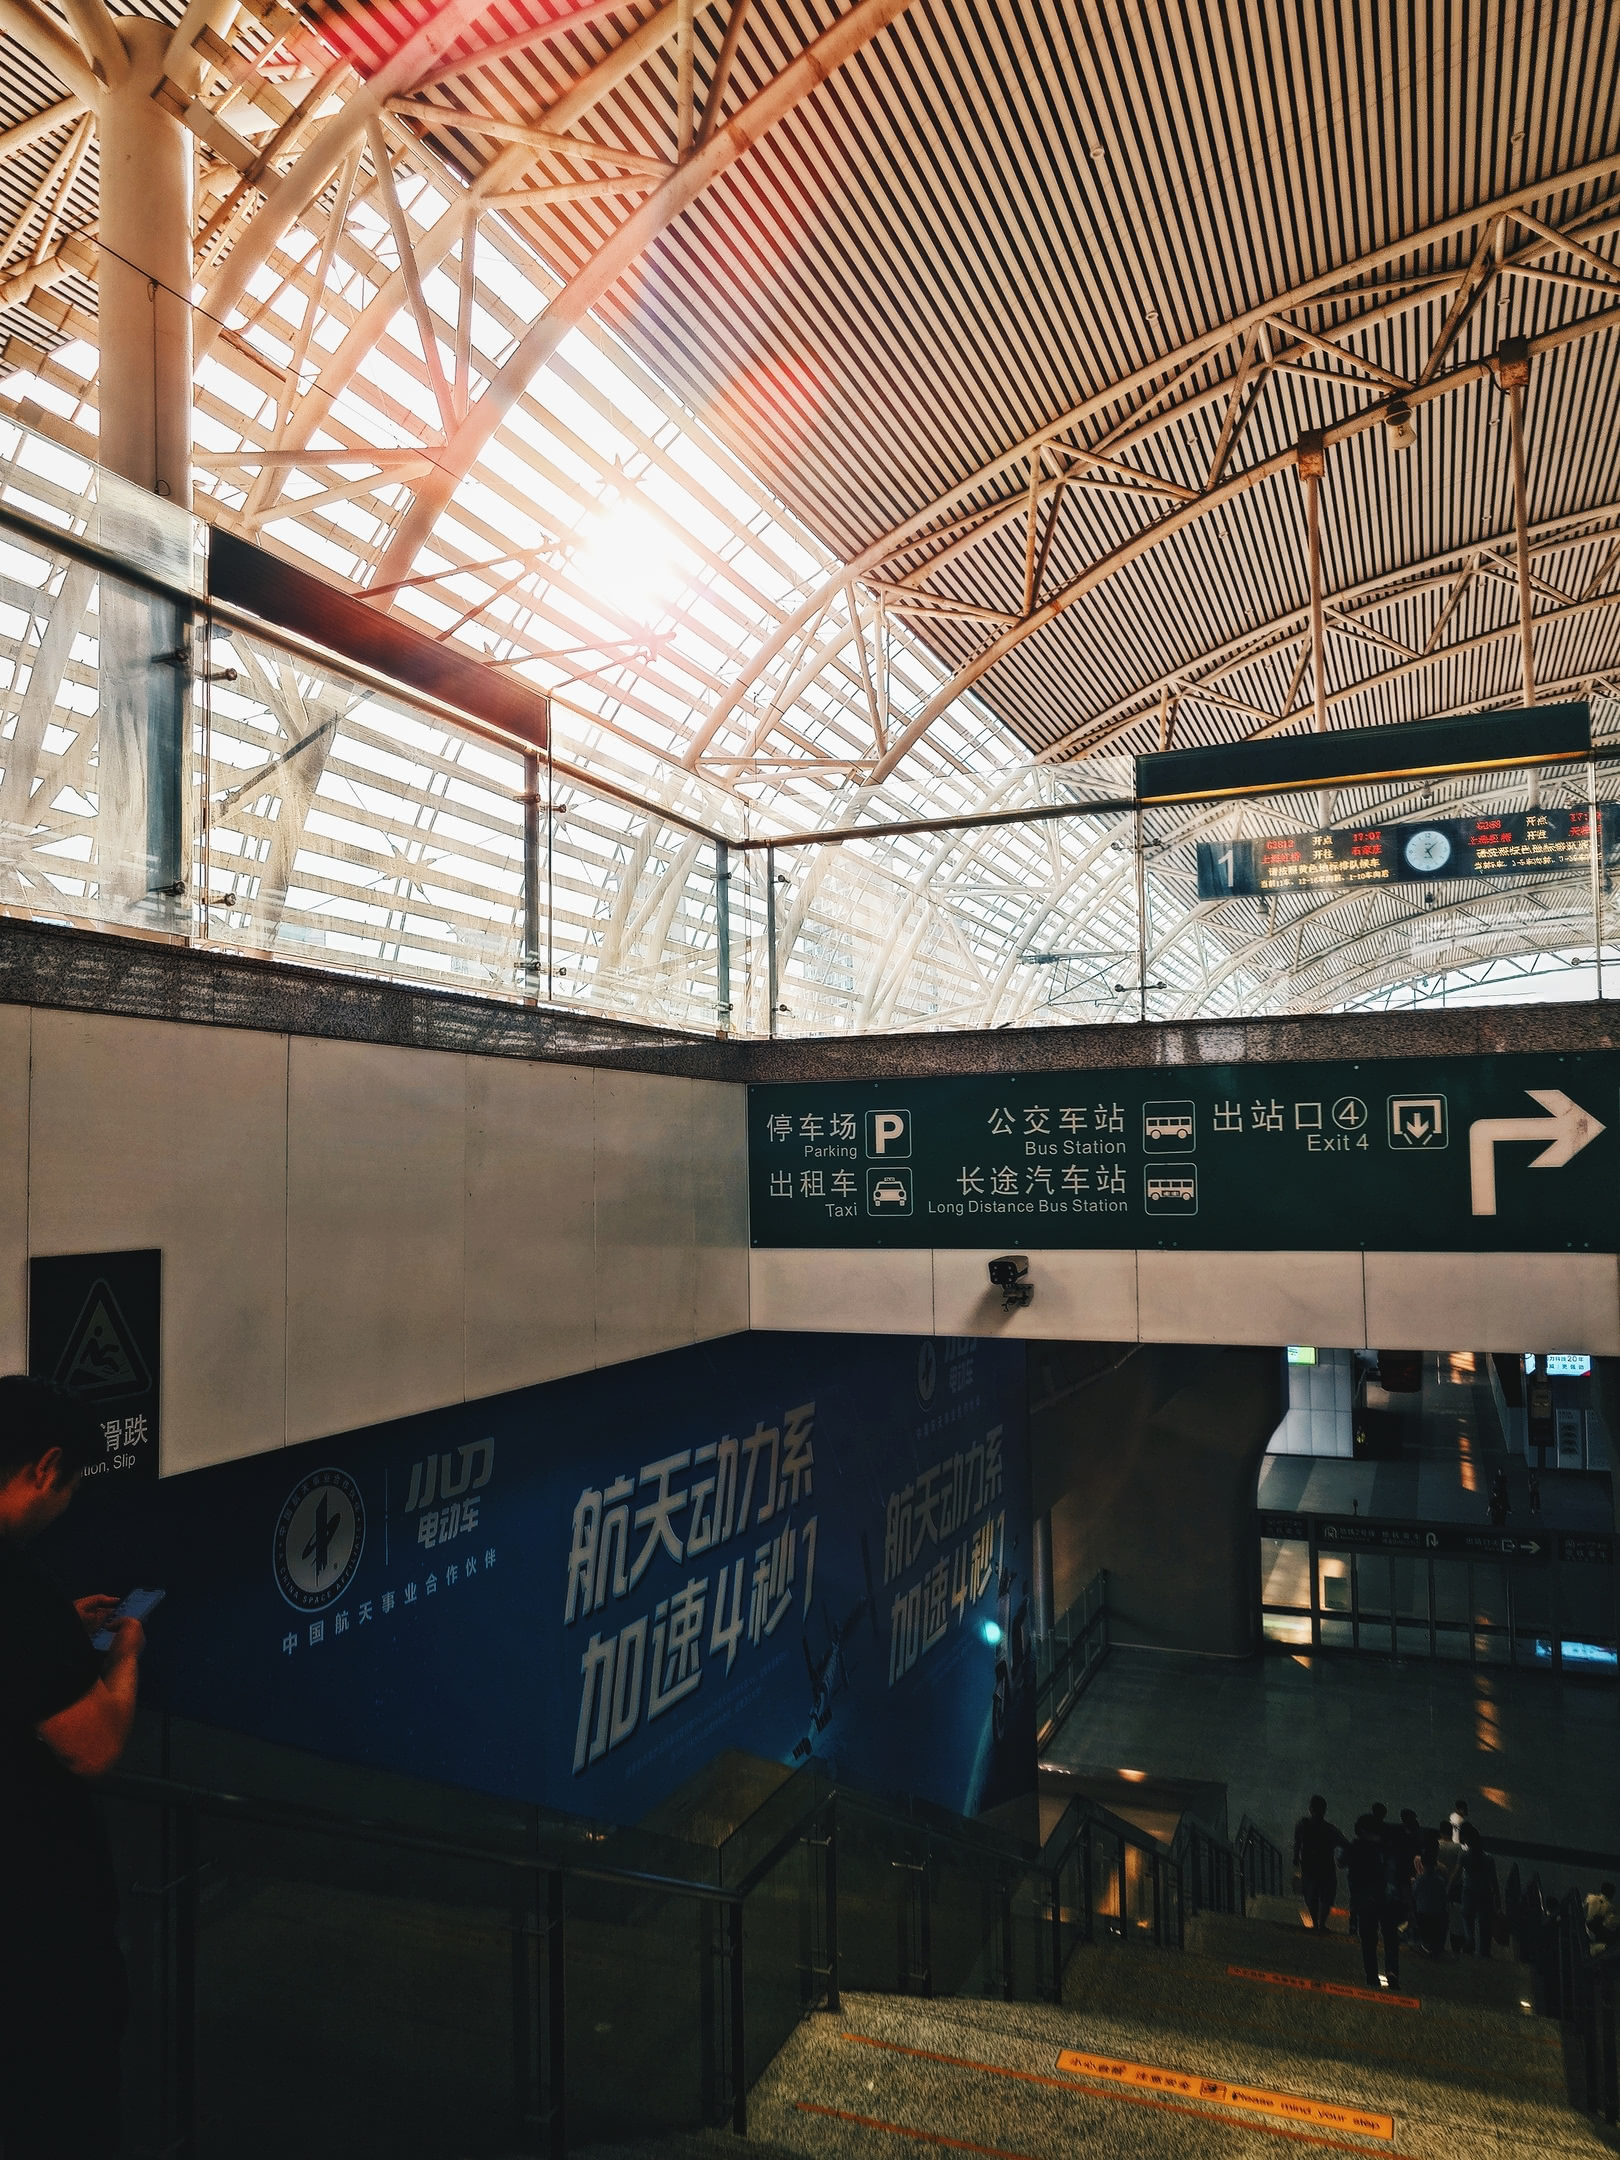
(1172, 1190)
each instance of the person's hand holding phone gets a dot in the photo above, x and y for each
(118, 1627)
(128, 1638)
(95, 1612)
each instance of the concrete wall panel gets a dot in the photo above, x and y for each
(646, 1271)
(1277, 1297)
(146, 1133)
(847, 1293)
(719, 1208)
(1079, 1296)
(376, 1215)
(1493, 1301)
(530, 1292)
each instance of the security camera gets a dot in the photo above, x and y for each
(1010, 1275)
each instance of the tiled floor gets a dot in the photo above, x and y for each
(1430, 1491)
(1447, 1476)
(1539, 1759)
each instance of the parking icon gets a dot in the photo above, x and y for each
(1417, 1121)
(888, 1135)
(888, 1192)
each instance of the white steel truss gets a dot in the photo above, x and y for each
(397, 381)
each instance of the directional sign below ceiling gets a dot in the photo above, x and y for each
(1514, 1154)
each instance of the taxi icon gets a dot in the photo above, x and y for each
(888, 1192)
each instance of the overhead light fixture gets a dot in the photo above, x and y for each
(1398, 419)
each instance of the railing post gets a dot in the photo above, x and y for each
(1611, 2066)
(556, 2028)
(834, 2004)
(739, 2033)
(185, 1984)
(1008, 1988)
(529, 958)
(772, 981)
(926, 1923)
(722, 937)
(1057, 1933)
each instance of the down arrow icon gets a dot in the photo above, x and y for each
(1568, 1129)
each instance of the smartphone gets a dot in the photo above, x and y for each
(134, 1607)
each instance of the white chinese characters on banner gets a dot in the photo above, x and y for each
(926, 1525)
(675, 1510)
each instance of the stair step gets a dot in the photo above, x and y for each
(983, 2077)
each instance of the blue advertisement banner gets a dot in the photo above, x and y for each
(580, 1593)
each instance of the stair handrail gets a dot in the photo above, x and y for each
(1581, 1987)
(1083, 1821)
(1264, 1871)
(1077, 1637)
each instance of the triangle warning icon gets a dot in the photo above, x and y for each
(101, 1359)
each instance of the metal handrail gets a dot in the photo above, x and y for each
(1088, 1647)
(1578, 1987)
(296, 1815)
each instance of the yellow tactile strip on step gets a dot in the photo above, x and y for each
(1325, 1987)
(1286, 2107)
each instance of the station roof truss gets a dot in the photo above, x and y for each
(856, 410)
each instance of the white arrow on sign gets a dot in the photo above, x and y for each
(1569, 1128)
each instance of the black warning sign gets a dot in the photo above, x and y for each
(94, 1326)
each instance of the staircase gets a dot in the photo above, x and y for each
(1232, 2045)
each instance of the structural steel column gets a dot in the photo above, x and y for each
(143, 282)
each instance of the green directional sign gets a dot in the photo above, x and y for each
(1497, 1154)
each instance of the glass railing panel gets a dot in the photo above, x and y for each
(346, 829)
(1387, 893)
(1107, 1884)
(1031, 1936)
(646, 2011)
(95, 693)
(1141, 1898)
(788, 1812)
(351, 1996)
(966, 1924)
(784, 1950)
(632, 906)
(880, 1866)
(42, 481)
(1028, 925)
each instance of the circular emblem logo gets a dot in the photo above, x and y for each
(927, 1372)
(319, 1539)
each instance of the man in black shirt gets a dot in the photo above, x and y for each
(1376, 1911)
(65, 1715)
(1316, 1847)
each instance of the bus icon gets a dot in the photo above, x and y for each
(1172, 1190)
(1169, 1128)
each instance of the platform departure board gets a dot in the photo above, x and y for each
(1524, 843)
